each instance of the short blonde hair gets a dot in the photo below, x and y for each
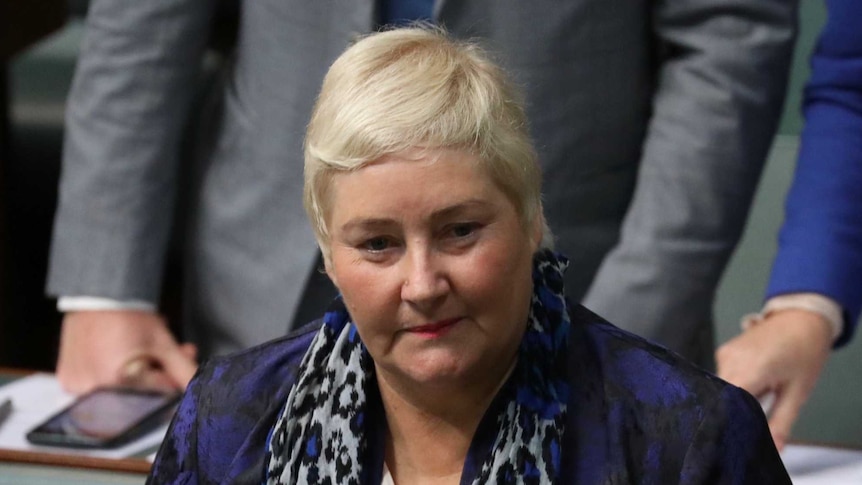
(412, 88)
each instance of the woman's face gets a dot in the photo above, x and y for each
(434, 266)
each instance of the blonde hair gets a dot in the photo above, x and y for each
(417, 88)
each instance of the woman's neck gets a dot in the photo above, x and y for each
(430, 431)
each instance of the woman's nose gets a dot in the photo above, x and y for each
(425, 280)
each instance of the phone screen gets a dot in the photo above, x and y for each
(105, 417)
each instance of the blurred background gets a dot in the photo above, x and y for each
(39, 42)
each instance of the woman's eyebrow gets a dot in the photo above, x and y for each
(454, 210)
(367, 223)
(457, 209)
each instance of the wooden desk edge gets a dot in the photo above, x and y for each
(8, 371)
(129, 465)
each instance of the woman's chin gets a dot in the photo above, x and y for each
(433, 368)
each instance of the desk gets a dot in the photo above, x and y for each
(816, 465)
(31, 468)
(807, 464)
(30, 474)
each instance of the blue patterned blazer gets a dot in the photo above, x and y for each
(638, 414)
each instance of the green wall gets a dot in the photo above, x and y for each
(812, 16)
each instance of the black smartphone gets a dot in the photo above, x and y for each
(106, 418)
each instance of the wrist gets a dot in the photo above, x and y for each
(828, 311)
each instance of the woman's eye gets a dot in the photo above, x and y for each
(376, 244)
(463, 230)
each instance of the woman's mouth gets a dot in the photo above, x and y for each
(436, 329)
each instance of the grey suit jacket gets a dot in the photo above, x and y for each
(653, 117)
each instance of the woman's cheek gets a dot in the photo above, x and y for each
(368, 293)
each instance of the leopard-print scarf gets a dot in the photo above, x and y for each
(319, 437)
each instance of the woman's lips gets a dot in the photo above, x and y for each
(435, 329)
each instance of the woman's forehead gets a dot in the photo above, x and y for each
(417, 169)
(430, 187)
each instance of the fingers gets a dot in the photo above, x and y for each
(785, 353)
(784, 413)
(168, 370)
(145, 373)
(179, 366)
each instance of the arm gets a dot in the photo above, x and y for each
(720, 85)
(733, 446)
(128, 104)
(820, 245)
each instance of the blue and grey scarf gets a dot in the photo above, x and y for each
(320, 434)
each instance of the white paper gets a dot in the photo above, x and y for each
(37, 397)
(816, 465)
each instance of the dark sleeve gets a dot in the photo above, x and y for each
(177, 460)
(820, 245)
(733, 445)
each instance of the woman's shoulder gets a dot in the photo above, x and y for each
(658, 374)
(654, 382)
(232, 394)
(678, 419)
(262, 368)
(225, 415)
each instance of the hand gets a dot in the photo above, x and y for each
(784, 354)
(122, 347)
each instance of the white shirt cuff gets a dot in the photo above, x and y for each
(824, 306)
(91, 303)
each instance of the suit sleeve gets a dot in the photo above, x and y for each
(128, 104)
(733, 445)
(820, 244)
(720, 84)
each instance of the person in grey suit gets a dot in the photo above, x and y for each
(652, 121)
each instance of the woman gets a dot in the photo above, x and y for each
(452, 355)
